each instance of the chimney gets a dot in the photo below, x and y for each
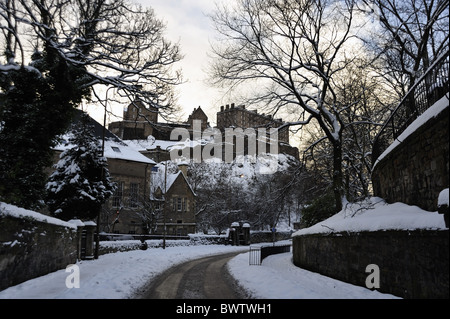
(227, 106)
(232, 105)
(221, 108)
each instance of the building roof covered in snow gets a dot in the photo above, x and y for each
(114, 146)
(164, 182)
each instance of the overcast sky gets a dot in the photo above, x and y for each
(187, 23)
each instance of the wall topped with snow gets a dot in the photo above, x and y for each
(32, 245)
(408, 244)
(415, 168)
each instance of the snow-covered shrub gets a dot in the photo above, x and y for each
(80, 183)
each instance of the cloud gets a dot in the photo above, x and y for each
(188, 24)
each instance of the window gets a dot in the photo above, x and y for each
(116, 149)
(134, 194)
(118, 194)
(184, 204)
(179, 204)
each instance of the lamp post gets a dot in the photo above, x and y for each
(97, 240)
(165, 198)
(164, 211)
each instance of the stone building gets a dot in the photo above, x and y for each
(231, 116)
(126, 210)
(239, 116)
(199, 115)
(174, 200)
(139, 122)
(135, 123)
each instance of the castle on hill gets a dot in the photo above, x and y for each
(139, 122)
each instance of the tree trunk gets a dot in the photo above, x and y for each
(337, 175)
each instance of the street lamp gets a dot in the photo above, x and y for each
(97, 240)
(165, 198)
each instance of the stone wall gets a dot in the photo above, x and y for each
(30, 248)
(418, 169)
(413, 264)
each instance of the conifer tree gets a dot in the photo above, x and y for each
(80, 183)
(32, 115)
(50, 63)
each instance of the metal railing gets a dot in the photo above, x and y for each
(258, 253)
(427, 90)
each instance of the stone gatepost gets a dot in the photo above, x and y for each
(80, 227)
(234, 235)
(89, 227)
(246, 233)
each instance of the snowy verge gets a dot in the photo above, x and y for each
(374, 214)
(279, 278)
(18, 212)
(112, 276)
(443, 198)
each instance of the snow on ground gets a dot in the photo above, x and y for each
(119, 275)
(443, 198)
(375, 214)
(112, 276)
(279, 278)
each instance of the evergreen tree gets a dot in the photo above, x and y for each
(32, 116)
(37, 105)
(81, 182)
(49, 64)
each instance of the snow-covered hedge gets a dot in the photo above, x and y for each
(107, 247)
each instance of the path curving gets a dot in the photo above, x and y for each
(203, 278)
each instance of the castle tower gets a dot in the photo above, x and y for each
(135, 124)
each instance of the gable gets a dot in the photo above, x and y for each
(199, 113)
(180, 185)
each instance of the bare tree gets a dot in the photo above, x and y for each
(294, 50)
(57, 54)
(412, 34)
(109, 43)
(367, 105)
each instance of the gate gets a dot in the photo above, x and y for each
(257, 254)
(83, 244)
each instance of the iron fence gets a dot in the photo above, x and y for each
(258, 253)
(427, 90)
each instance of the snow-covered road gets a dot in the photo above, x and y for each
(119, 275)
